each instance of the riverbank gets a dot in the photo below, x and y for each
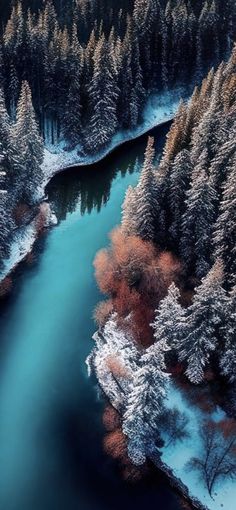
(159, 110)
(174, 458)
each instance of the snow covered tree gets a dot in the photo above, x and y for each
(178, 185)
(225, 228)
(170, 319)
(227, 360)
(145, 403)
(204, 318)
(198, 220)
(6, 221)
(103, 94)
(29, 143)
(125, 81)
(72, 128)
(145, 196)
(174, 140)
(129, 212)
(138, 93)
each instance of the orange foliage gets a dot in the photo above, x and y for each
(136, 277)
(115, 444)
(102, 312)
(5, 286)
(116, 366)
(111, 418)
(169, 267)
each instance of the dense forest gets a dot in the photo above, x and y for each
(169, 273)
(149, 45)
(57, 59)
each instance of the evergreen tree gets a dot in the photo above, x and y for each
(204, 318)
(29, 143)
(198, 220)
(103, 94)
(129, 212)
(228, 356)
(170, 319)
(179, 182)
(145, 404)
(225, 227)
(145, 196)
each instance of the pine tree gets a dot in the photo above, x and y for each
(129, 212)
(204, 318)
(228, 356)
(103, 94)
(225, 227)
(72, 128)
(174, 140)
(198, 220)
(145, 196)
(125, 81)
(6, 221)
(29, 143)
(179, 182)
(145, 403)
(170, 319)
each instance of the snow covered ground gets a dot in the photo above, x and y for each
(177, 456)
(159, 109)
(24, 240)
(22, 244)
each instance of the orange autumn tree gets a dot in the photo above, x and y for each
(135, 276)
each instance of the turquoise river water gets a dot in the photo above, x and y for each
(51, 432)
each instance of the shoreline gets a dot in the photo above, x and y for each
(57, 162)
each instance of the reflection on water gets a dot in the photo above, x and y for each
(88, 188)
(51, 455)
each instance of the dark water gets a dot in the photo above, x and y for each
(51, 455)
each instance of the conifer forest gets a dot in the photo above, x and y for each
(117, 254)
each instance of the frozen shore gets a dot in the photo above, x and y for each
(160, 109)
(173, 458)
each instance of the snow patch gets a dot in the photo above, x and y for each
(176, 456)
(160, 108)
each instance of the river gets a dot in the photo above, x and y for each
(51, 432)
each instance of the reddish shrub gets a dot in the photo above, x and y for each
(136, 277)
(115, 444)
(117, 367)
(169, 266)
(102, 312)
(104, 272)
(111, 418)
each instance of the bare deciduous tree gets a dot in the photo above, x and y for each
(218, 459)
